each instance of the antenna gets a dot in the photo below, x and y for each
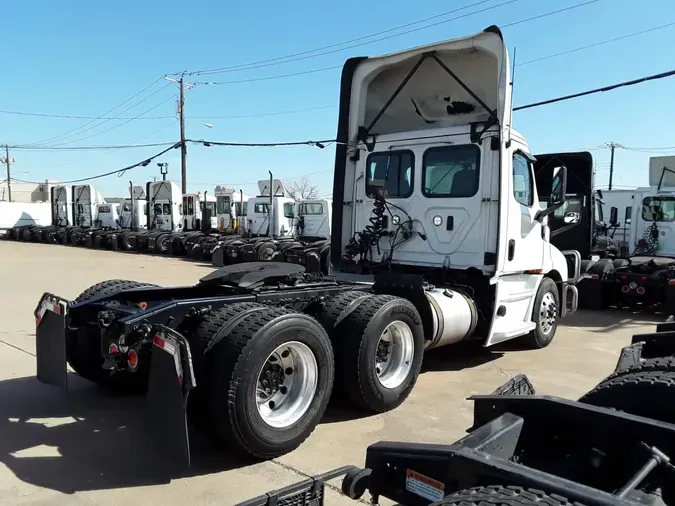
(513, 80)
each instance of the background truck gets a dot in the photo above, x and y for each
(61, 219)
(311, 243)
(432, 244)
(270, 221)
(614, 446)
(646, 279)
(127, 217)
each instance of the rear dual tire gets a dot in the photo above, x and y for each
(378, 342)
(267, 383)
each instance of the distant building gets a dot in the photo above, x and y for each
(27, 192)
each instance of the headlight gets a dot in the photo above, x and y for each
(438, 221)
(396, 219)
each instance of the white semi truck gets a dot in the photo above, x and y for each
(437, 237)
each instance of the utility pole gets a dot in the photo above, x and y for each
(612, 146)
(183, 146)
(8, 162)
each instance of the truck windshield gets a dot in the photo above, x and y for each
(223, 205)
(310, 208)
(658, 209)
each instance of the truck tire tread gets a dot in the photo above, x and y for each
(504, 496)
(648, 393)
(225, 377)
(108, 287)
(336, 309)
(353, 378)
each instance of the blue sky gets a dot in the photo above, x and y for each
(83, 58)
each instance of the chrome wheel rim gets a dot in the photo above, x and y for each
(394, 354)
(547, 313)
(287, 384)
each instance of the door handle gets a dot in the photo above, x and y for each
(512, 249)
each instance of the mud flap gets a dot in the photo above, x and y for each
(218, 258)
(171, 380)
(51, 316)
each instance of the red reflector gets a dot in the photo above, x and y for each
(643, 278)
(132, 359)
(595, 276)
(623, 276)
(159, 341)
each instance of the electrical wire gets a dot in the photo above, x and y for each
(525, 20)
(595, 44)
(118, 172)
(303, 55)
(89, 148)
(633, 82)
(114, 127)
(104, 114)
(322, 107)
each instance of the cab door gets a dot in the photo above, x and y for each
(525, 243)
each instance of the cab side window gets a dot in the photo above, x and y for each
(522, 180)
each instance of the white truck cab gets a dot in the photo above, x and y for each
(165, 207)
(276, 204)
(432, 180)
(108, 215)
(62, 206)
(193, 208)
(652, 224)
(229, 212)
(314, 218)
(86, 200)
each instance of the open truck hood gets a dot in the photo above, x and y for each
(279, 190)
(431, 97)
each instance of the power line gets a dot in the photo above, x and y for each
(321, 107)
(120, 124)
(118, 172)
(611, 87)
(303, 55)
(104, 114)
(526, 20)
(325, 142)
(596, 44)
(30, 147)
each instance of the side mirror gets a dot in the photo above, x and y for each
(571, 218)
(613, 216)
(558, 187)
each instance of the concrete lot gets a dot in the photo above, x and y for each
(88, 448)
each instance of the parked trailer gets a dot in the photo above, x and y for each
(530, 449)
(264, 344)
